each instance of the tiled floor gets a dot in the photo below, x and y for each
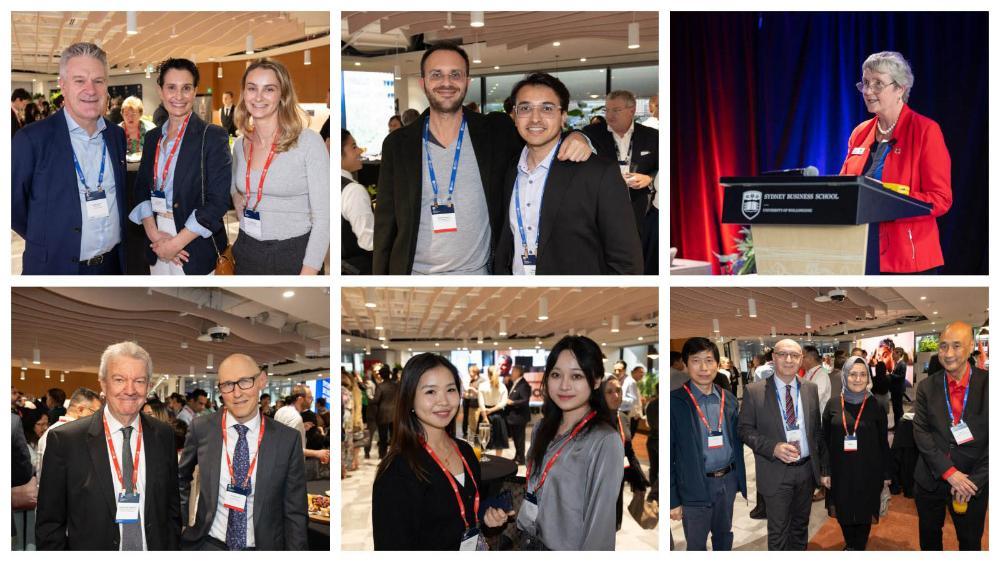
(356, 492)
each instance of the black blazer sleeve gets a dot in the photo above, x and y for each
(386, 227)
(923, 431)
(185, 471)
(751, 417)
(393, 524)
(20, 458)
(616, 221)
(52, 511)
(832, 410)
(296, 516)
(144, 177)
(166, 442)
(218, 179)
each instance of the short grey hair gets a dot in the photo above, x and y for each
(626, 95)
(124, 349)
(893, 64)
(82, 50)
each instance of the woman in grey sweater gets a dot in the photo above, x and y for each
(281, 179)
(575, 463)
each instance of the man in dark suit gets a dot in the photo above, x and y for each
(101, 490)
(252, 486)
(779, 421)
(68, 177)
(226, 113)
(951, 430)
(429, 220)
(19, 99)
(518, 410)
(566, 218)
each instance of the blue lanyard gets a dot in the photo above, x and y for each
(454, 165)
(100, 175)
(781, 402)
(517, 207)
(947, 398)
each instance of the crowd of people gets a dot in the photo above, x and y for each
(580, 453)
(817, 435)
(275, 177)
(76, 484)
(509, 192)
(26, 109)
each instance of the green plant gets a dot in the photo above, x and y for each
(928, 343)
(744, 260)
(648, 384)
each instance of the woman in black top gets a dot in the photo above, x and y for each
(856, 463)
(426, 493)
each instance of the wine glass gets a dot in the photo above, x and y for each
(484, 439)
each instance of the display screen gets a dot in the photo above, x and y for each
(881, 348)
(368, 101)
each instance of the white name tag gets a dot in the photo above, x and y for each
(235, 498)
(251, 224)
(858, 150)
(443, 219)
(159, 201)
(473, 540)
(962, 433)
(850, 444)
(97, 204)
(794, 436)
(127, 510)
(715, 440)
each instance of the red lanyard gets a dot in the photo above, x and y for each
(704, 420)
(114, 457)
(621, 430)
(263, 173)
(857, 420)
(225, 447)
(454, 484)
(170, 157)
(555, 457)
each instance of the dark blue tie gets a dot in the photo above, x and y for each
(236, 530)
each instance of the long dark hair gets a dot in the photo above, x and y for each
(406, 427)
(591, 360)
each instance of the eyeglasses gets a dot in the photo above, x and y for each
(246, 383)
(548, 109)
(437, 76)
(853, 375)
(788, 355)
(875, 86)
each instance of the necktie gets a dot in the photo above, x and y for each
(236, 529)
(790, 420)
(131, 532)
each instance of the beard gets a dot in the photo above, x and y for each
(443, 106)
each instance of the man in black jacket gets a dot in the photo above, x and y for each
(518, 411)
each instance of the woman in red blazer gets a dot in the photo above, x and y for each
(899, 146)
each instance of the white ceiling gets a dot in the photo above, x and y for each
(72, 326)
(453, 316)
(38, 38)
(929, 309)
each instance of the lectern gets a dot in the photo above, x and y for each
(822, 225)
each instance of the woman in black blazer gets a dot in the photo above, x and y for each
(182, 188)
(426, 492)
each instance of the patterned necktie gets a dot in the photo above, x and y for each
(236, 530)
(131, 532)
(790, 412)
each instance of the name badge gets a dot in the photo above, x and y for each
(251, 224)
(443, 219)
(235, 498)
(159, 201)
(530, 263)
(715, 440)
(850, 443)
(858, 150)
(128, 508)
(473, 540)
(962, 433)
(528, 514)
(794, 436)
(97, 204)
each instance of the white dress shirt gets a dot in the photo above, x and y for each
(356, 208)
(186, 415)
(490, 397)
(221, 521)
(623, 143)
(115, 427)
(630, 398)
(531, 188)
(818, 376)
(291, 417)
(44, 439)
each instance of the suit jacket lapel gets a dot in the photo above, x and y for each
(477, 133)
(187, 163)
(97, 444)
(266, 463)
(771, 404)
(413, 157)
(154, 462)
(557, 184)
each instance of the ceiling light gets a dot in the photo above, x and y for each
(132, 27)
(479, 339)
(173, 31)
(614, 324)
(543, 308)
(62, 377)
(923, 298)
(476, 56)
(397, 73)
(308, 57)
(556, 43)
(808, 321)
(476, 19)
(639, 338)
(795, 304)
(378, 324)
(191, 371)
(24, 364)
(503, 327)
(447, 23)
(249, 49)
(496, 67)
(210, 362)
(288, 294)
(348, 340)
(218, 73)
(36, 356)
(774, 333)
(583, 59)
(752, 307)
(935, 312)
(715, 325)
(633, 35)
(47, 374)
(370, 297)
(184, 345)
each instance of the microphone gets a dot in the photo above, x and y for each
(807, 171)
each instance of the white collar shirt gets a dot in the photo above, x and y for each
(115, 427)
(221, 521)
(623, 143)
(531, 187)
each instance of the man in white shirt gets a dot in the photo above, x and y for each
(291, 415)
(631, 408)
(812, 363)
(357, 218)
(82, 403)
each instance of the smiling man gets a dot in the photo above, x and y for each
(563, 218)
(245, 462)
(68, 177)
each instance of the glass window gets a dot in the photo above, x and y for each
(498, 87)
(586, 93)
(475, 93)
(643, 81)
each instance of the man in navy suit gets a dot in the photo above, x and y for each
(68, 177)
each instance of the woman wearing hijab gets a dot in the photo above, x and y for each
(857, 452)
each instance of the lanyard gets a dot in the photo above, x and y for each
(263, 173)
(454, 165)
(947, 397)
(114, 457)
(454, 484)
(857, 420)
(100, 175)
(555, 457)
(704, 420)
(781, 407)
(621, 430)
(628, 155)
(517, 207)
(225, 447)
(173, 151)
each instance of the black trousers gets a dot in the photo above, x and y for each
(931, 506)
(653, 451)
(384, 429)
(517, 433)
(897, 406)
(633, 426)
(465, 418)
(856, 536)
(788, 510)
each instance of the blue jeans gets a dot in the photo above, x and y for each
(717, 519)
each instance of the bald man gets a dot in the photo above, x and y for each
(246, 461)
(780, 422)
(951, 429)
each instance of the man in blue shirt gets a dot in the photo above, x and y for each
(68, 177)
(706, 453)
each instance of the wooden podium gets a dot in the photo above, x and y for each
(821, 225)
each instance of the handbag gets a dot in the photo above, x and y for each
(645, 513)
(225, 263)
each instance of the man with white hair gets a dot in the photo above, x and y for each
(109, 481)
(68, 177)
